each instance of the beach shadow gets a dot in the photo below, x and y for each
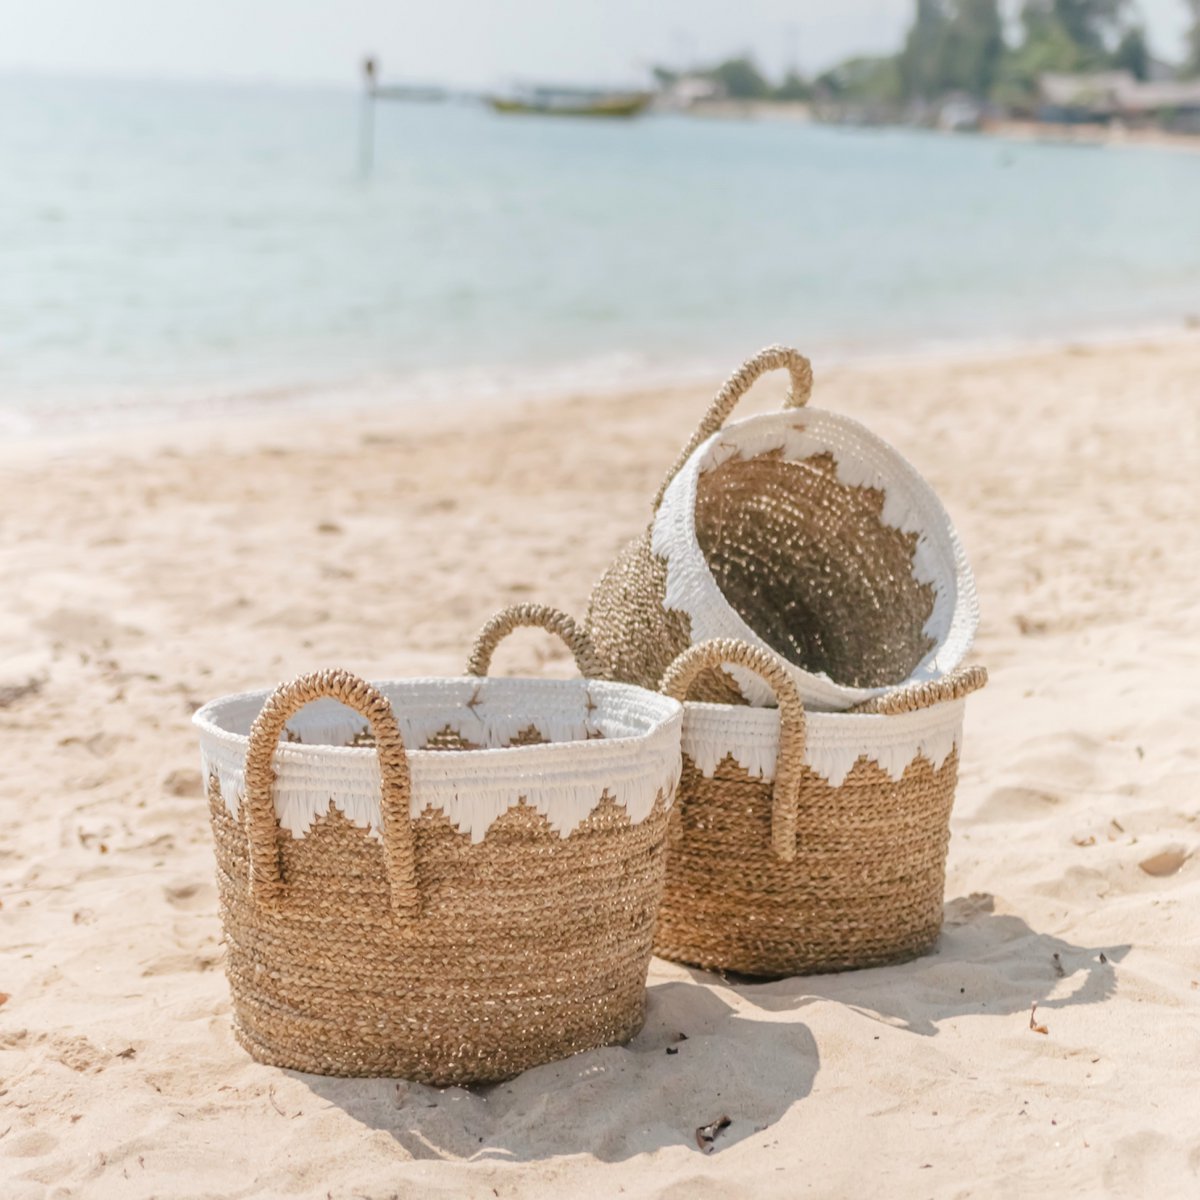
(741, 1062)
(983, 963)
(695, 1061)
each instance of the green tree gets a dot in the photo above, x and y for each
(1091, 24)
(974, 45)
(1192, 64)
(864, 80)
(741, 78)
(793, 87)
(953, 45)
(921, 61)
(1047, 44)
(1132, 54)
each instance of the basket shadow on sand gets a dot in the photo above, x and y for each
(984, 963)
(754, 1069)
(613, 1103)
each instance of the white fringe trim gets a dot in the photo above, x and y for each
(605, 739)
(834, 741)
(862, 460)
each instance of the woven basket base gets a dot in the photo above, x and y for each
(865, 888)
(349, 1060)
(530, 947)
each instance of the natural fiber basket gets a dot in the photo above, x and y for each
(450, 914)
(800, 532)
(805, 842)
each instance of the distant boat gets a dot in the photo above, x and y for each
(572, 102)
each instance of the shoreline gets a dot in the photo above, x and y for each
(1115, 137)
(1003, 128)
(442, 403)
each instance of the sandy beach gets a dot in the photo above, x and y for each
(145, 575)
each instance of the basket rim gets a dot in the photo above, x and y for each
(204, 717)
(674, 533)
(833, 743)
(564, 780)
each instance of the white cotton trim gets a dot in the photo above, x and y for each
(605, 739)
(862, 460)
(834, 742)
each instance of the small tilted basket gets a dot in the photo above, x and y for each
(800, 532)
(807, 842)
(453, 913)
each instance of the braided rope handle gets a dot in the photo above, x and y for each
(789, 766)
(266, 880)
(532, 616)
(959, 683)
(735, 387)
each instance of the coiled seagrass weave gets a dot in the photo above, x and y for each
(447, 916)
(532, 616)
(799, 532)
(806, 842)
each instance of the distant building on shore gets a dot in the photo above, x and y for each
(1109, 97)
(688, 91)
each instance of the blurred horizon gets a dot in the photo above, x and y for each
(467, 44)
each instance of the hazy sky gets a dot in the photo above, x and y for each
(470, 42)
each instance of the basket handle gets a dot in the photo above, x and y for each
(735, 387)
(534, 616)
(789, 767)
(962, 681)
(266, 880)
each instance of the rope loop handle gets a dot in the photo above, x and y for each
(962, 681)
(735, 387)
(266, 880)
(789, 765)
(532, 616)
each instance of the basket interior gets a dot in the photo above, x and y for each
(469, 714)
(809, 564)
(447, 738)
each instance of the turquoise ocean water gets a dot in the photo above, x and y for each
(189, 249)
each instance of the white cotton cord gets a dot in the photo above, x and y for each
(861, 460)
(834, 742)
(603, 739)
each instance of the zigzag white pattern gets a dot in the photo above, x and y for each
(861, 460)
(834, 742)
(604, 739)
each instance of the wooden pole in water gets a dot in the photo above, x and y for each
(366, 141)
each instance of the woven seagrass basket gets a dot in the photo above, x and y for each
(799, 532)
(450, 914)
(806, 842)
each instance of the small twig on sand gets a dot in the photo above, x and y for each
(1033, 1021)
(706, 1135)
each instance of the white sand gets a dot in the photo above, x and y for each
(139, 582)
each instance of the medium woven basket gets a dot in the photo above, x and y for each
(806, 842)
(451, 914)
(799, 532)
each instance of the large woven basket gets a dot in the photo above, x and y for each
(450, 914)
(799, 532)
(808, 842)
